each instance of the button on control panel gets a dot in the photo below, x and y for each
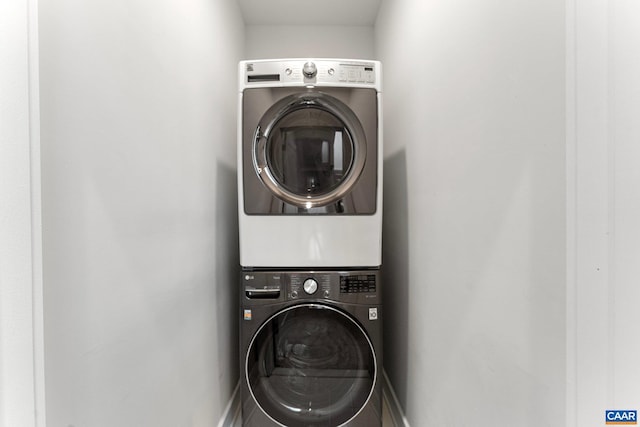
(358, 284)
(310, 286)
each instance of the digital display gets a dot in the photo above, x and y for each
(358, 284)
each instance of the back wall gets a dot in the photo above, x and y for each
(304, 41)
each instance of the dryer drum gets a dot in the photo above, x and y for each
(309, 149)
(311, 365)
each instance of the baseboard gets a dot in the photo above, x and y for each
(231, 414)
(391, 400)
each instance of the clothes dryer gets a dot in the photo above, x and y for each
(311, 348)
(310, 163)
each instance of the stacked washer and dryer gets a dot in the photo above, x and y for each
(310, 223)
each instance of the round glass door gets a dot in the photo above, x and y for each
(309, 149)
(311, 365)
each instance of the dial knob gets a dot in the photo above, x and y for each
(310, 286)
(309, 70)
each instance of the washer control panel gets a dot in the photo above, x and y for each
(362, 286)
(310, 72)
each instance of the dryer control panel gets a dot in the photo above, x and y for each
(312, 72)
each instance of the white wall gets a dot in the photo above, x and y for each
(309, 41)
(603, 246)
(624, 202)
(139, 212)
(21, 340)
(475, 210)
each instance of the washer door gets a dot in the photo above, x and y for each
(309, 149)
(311, 365)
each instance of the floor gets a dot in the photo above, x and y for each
(386, 416)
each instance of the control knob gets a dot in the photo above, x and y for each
(310, 286)
(309, 69)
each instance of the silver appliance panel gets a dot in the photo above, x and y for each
(309, 151)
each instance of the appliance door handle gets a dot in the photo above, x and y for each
(262, 293)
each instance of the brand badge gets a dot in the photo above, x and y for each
(621, 417)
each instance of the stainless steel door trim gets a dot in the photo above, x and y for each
(293, 103)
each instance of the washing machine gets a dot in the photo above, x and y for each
(311, 348)
(310, 163)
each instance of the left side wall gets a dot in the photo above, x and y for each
(139, 210)
(21, 355)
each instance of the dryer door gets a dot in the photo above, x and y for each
(309, 149)
(311, 365)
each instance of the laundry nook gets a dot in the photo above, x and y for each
(346, 213)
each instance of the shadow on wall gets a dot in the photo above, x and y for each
(395, 270)
(227, 263)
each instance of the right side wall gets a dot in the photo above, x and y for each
(474, 220)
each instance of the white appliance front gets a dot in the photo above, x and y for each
(310, 163)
